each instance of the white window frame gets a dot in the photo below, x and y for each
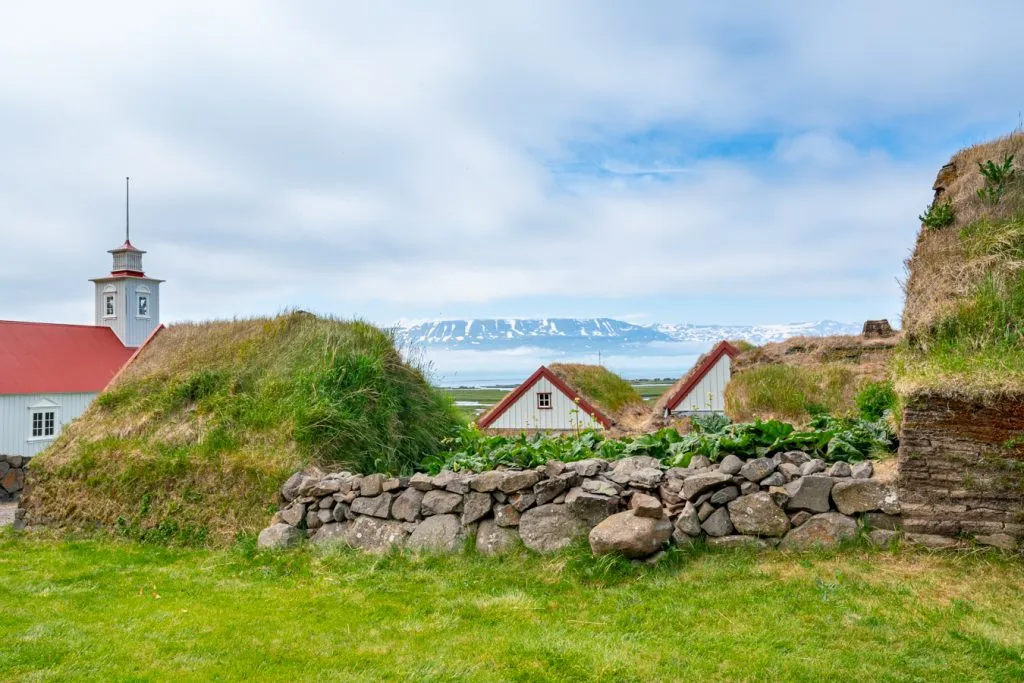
(542, 397)
(110, 296)
(42, 409)
(138, 306)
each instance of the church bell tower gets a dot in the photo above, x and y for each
(127, 301)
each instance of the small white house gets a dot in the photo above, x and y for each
(50, 373)
(702, 390)
(544, 402)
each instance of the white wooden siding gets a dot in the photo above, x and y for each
(713, 384)
(16, 419)
(127, 325)
(563, 416)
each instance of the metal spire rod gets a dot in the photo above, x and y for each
(127, 233)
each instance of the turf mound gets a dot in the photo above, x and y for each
(964, 313)
(799, 377)
(196, 435)
(613, 395)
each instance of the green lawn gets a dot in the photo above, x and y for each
(108, 610)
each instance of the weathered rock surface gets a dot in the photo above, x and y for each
(718, 523)
(591, 508)
(738, 541)
(860, 495)
(440, 503)
(331, 534)
(756, 470)
(279, 536)
(376, 535)
(688, 522)
(809, 493)
(758, 515)
(485, 482)
(820, 530)
(378, 506)
(550, 527)
(475, 506)
(438, 533)
(492, 539)
(646, 506)
(630, 534)
(406, 506)
(730, 465)
(699, 483)
(517, 481)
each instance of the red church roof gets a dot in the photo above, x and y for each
(38, 358)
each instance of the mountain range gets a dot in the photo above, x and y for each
(578, 334)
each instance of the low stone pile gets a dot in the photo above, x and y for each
(12, 476)
(632, 506)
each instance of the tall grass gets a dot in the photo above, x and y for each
(600, 384)
(791, 392)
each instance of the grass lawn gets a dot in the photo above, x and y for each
(108, 610)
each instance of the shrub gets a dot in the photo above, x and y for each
(997, 179)
(876, 399)
(938, 215)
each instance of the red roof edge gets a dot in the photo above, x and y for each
(151, 337)
(723, 348)
(543, 371)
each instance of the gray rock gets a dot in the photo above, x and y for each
(325, 516)
(406, 506)
(630, 534)
(799, 518)
(331, 534)
(646, 478)
(590, 467)
(718, 523)
(699, 483)
(738, 542)
(839, 469)
(730, 465)
(812, 467)
(293, 514)
(290, 488)
(758, 469)
(439, 533)
(794, 457)
(748, 487)
(635, 463)
(790, 470)
(591, 508)
(440, 503)
(553, 468)
(279, 536)
(522, 501)
(518, 481)
(492, 539)
(340, 512)
(933, 541)
(17, 460)
(598, 486)
(326, 503)
(458, 483)
(862, 470)
(391, 484)
(550, 527)
(376, 535)
(809, 493)
(506, 515)
(880, 520)
(475, 506)
(688, 523)
(371, 485)
(548, 489)
(774, 479)
(571, 479)
(860, 495)
(1000, 540)
(325, 486)
(313, 518)
(723, 496)
(646, 506)
(378, 506)
(758, 515)
(422, 482)
(826, 529)
(882, 537)
(699, 462)
(704, 510)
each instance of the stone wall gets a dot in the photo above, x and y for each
(633, 506)
(961, 469)
(12, 476)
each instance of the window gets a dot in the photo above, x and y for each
(44, 423)
(108, 306)
(544, 400)
(143, 306)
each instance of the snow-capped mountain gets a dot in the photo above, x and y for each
(595, 333)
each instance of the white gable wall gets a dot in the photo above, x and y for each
(713, 383)
(563, 416)
(16, 419)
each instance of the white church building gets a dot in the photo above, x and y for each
(50, 373)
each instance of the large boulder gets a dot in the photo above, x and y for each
(331, 534)
(862, 495)
(376, 535)
(630, 534)
(820, 530)
(279, 536)
(809, 493)
(439, 533)
(590, 507)
(758, 515)
(492, 539)
(550, 527)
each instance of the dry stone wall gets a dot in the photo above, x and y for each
(961, 470)
(632, 506)
(12, 476)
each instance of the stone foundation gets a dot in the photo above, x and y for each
(961, 469)
(633, 506)
(12, 476)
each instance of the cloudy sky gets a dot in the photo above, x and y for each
(652, 161)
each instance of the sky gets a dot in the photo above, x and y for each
(740, 162)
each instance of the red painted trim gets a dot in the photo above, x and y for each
(723, 348)
(127, 273)
(496, 412)
(151, 337)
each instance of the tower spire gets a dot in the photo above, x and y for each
(127, 232)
